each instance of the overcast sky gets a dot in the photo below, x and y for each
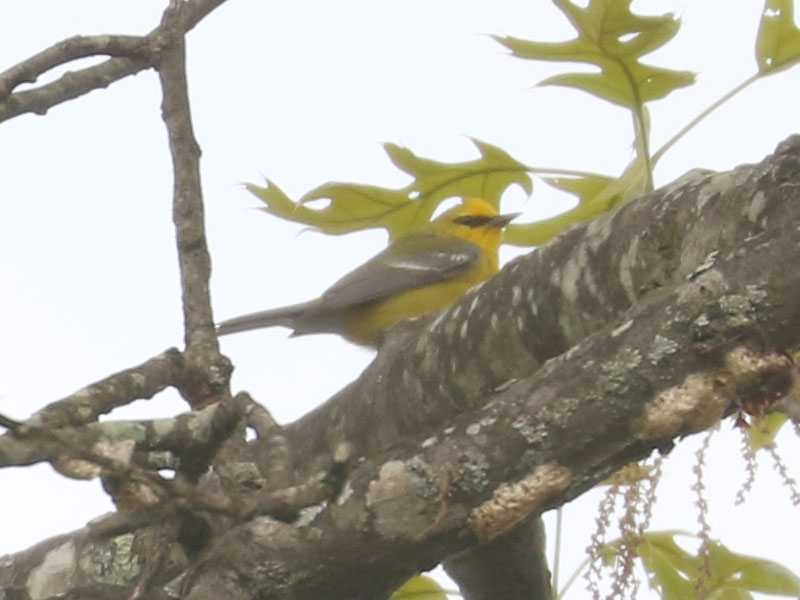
(304, 92)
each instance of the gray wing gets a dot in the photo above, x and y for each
(409, 263)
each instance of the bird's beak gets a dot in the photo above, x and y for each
(502, 220)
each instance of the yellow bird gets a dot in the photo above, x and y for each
(422, 272)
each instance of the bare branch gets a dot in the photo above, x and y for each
(68, 87)
(86, 405)
(29, 70)
(137, 383)
(661, 344)
(192, 439)
(131, 55)
(207, 369)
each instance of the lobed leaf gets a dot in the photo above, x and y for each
(778, 42)
(596, 194)
(612, 38)
(588, 189)
(354, 206)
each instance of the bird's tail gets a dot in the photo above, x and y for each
(284, 316)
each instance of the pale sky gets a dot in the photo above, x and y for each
(304, 92)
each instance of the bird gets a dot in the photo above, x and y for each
(422, 272)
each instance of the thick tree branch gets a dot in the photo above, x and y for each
(673, 364)
(542, 304)
(511, 566)
(618, 338)
(651, 323)
(675, 309)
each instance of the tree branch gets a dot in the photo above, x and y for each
(208, 371)
(131, 55)
(675, 363)
(29, 70)
(137, 383)
(687, 307)
(511, 566)
(544, 303)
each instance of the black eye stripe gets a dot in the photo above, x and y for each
(472, 220)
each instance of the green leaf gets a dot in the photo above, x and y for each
(596, 194)
(738, 571)
(357, 207)
(725, 565)
(610, 553)
(778, 43)
(731, 576)
(669, 566)
(487, 177)
(626, 87)
(353, 206)
(730, 593)
(612, 38)
(588, 189)
(763, 430)
(419, 587)
(769, 577)
(664, 542)
(364, 206)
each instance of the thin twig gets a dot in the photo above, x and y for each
(74, 48)
(136, 383)
(131, 54)
(68, 87)
(691, 124)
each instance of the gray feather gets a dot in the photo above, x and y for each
(411, 262)
(284, 316)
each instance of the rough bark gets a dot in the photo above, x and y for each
(510, 566)
(620, 337)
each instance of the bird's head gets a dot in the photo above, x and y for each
(474, 220)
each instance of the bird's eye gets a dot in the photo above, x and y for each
(472, 220)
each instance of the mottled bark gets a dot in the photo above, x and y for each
(618, 338)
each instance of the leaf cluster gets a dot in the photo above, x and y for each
(610, 39)
(720, 574)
